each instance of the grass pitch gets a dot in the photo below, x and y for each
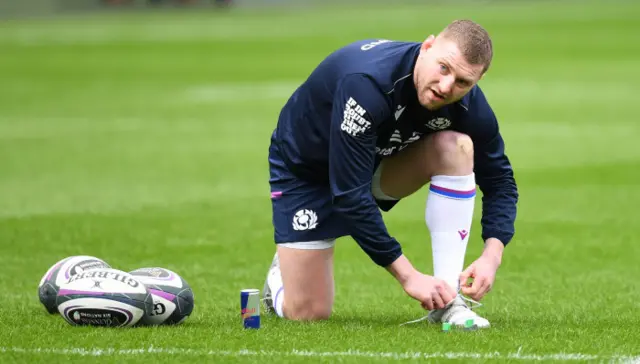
(142, 139)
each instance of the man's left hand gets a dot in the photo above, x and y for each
(483, 271)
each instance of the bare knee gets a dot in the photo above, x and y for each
(307, 310)
(446, 153)
(453, 152)
(307, 276)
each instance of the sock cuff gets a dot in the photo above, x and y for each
(459, 187)
(277, 305)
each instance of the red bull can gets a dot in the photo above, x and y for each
(250, 308)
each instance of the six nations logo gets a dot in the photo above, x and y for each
(305, 220)
(438, 123)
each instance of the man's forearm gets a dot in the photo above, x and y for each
(493, 249)
(401, 269)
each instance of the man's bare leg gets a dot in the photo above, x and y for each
(304, 271)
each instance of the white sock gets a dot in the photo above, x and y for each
(449, 214)
(277, 290)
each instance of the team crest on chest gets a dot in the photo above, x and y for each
(438, 123)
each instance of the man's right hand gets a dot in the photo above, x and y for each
(431, 292)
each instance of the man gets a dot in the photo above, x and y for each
(373, 123)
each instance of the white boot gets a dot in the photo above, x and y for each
(457, 313)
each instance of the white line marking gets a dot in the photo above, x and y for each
(307, 353)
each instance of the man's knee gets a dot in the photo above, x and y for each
(308, 310)
(454, 151)
(307, 274)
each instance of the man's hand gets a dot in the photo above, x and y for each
(483, 271)
(432, 293)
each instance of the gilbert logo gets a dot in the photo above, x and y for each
(463, 234)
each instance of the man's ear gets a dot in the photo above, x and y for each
(428, 42)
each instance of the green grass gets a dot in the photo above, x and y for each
(142, 139)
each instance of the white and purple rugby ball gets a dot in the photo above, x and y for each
(172, 296)
(104, 297)
(60, 273)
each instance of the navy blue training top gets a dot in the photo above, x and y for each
(360, 105)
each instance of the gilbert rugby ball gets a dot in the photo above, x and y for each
(103, 297)
(60, 273)
(173, 299)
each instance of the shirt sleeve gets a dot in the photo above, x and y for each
(359, 107)
(494, 176)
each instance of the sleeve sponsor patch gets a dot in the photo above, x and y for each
(354, 122)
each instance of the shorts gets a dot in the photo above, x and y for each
(303, 211)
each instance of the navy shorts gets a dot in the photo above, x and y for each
(303, 211)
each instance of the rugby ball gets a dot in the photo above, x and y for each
(172, 296)
(60, 273)
(103, 297)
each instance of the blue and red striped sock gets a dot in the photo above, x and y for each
(448, 214)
